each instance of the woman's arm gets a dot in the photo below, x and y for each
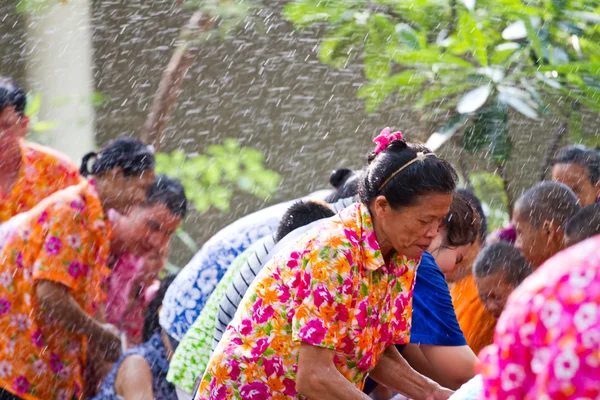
(318, 378)
(134, 379)
(454, 365)
(56, 301)
(393, 371)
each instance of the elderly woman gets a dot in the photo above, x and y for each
(327, 312)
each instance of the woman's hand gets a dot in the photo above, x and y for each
(440, 393)
(318, 378)
(109, 341)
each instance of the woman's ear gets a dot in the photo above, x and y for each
(380, 206)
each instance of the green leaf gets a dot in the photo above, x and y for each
(490, 128)
(474, 99)
(585, 16)
(432, 94)
(518, 103)
(34, 100)
(469, 4)
(534, 39)
(187, 240)
(404, 56)
(304, 13)
(408, 36)
(473, 35)
(575, 127)
(590, 68)
(515, 31)
(437, 139)
(503, 51)
(376, 64)
(375, 93)
(43, 126)
(334, 49)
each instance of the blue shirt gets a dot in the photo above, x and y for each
(156, 356)
(434, 320)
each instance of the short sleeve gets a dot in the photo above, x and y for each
(322, 289)
(61, 256)
(434, 320)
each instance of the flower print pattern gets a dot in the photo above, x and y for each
(332, 290)
(51, 369)
(188, 294)
(546, 342)
(43, 173)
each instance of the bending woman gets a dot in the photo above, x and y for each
(327, 312)
(52, 273)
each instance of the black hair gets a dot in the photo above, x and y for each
(131, 155)
(170, 192)
(502, 258)
(430, 175)
(584, 224)
(580, 155)
(475, 202)
(12, 95)
(548, 201)
(151, 319)
(300, 214)
(345, 182)
(461, 223)
(339, 176)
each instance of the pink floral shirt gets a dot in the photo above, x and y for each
(333, 290)
(547, 343)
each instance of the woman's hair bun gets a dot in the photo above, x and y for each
(339, 176)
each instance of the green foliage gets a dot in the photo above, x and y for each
(229, 14)
(209, 178)
(489, 189)
(35, 6)
(37, 127)
(475, 58)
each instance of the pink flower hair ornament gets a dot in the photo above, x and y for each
(385, 138)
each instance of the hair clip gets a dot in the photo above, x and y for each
(385, 138)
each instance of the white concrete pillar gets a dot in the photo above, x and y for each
(59, 68)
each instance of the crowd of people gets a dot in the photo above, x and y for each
(386, 286)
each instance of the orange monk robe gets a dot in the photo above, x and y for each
(476, 323)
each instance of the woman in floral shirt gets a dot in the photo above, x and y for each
(52, 273)
(29, 172)
(319, 318)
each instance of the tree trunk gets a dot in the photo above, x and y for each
(59, 69)
(185, 55)
(552, 149)
(501, 171)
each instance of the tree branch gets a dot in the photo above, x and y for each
(183, 58)
(554, 144)
(506, 185)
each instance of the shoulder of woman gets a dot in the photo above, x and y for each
(134, 369)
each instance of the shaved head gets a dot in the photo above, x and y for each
(548, 201)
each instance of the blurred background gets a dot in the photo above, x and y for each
(273, 95)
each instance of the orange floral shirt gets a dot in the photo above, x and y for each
(43, 172)
(331, 290)
(64, 239)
